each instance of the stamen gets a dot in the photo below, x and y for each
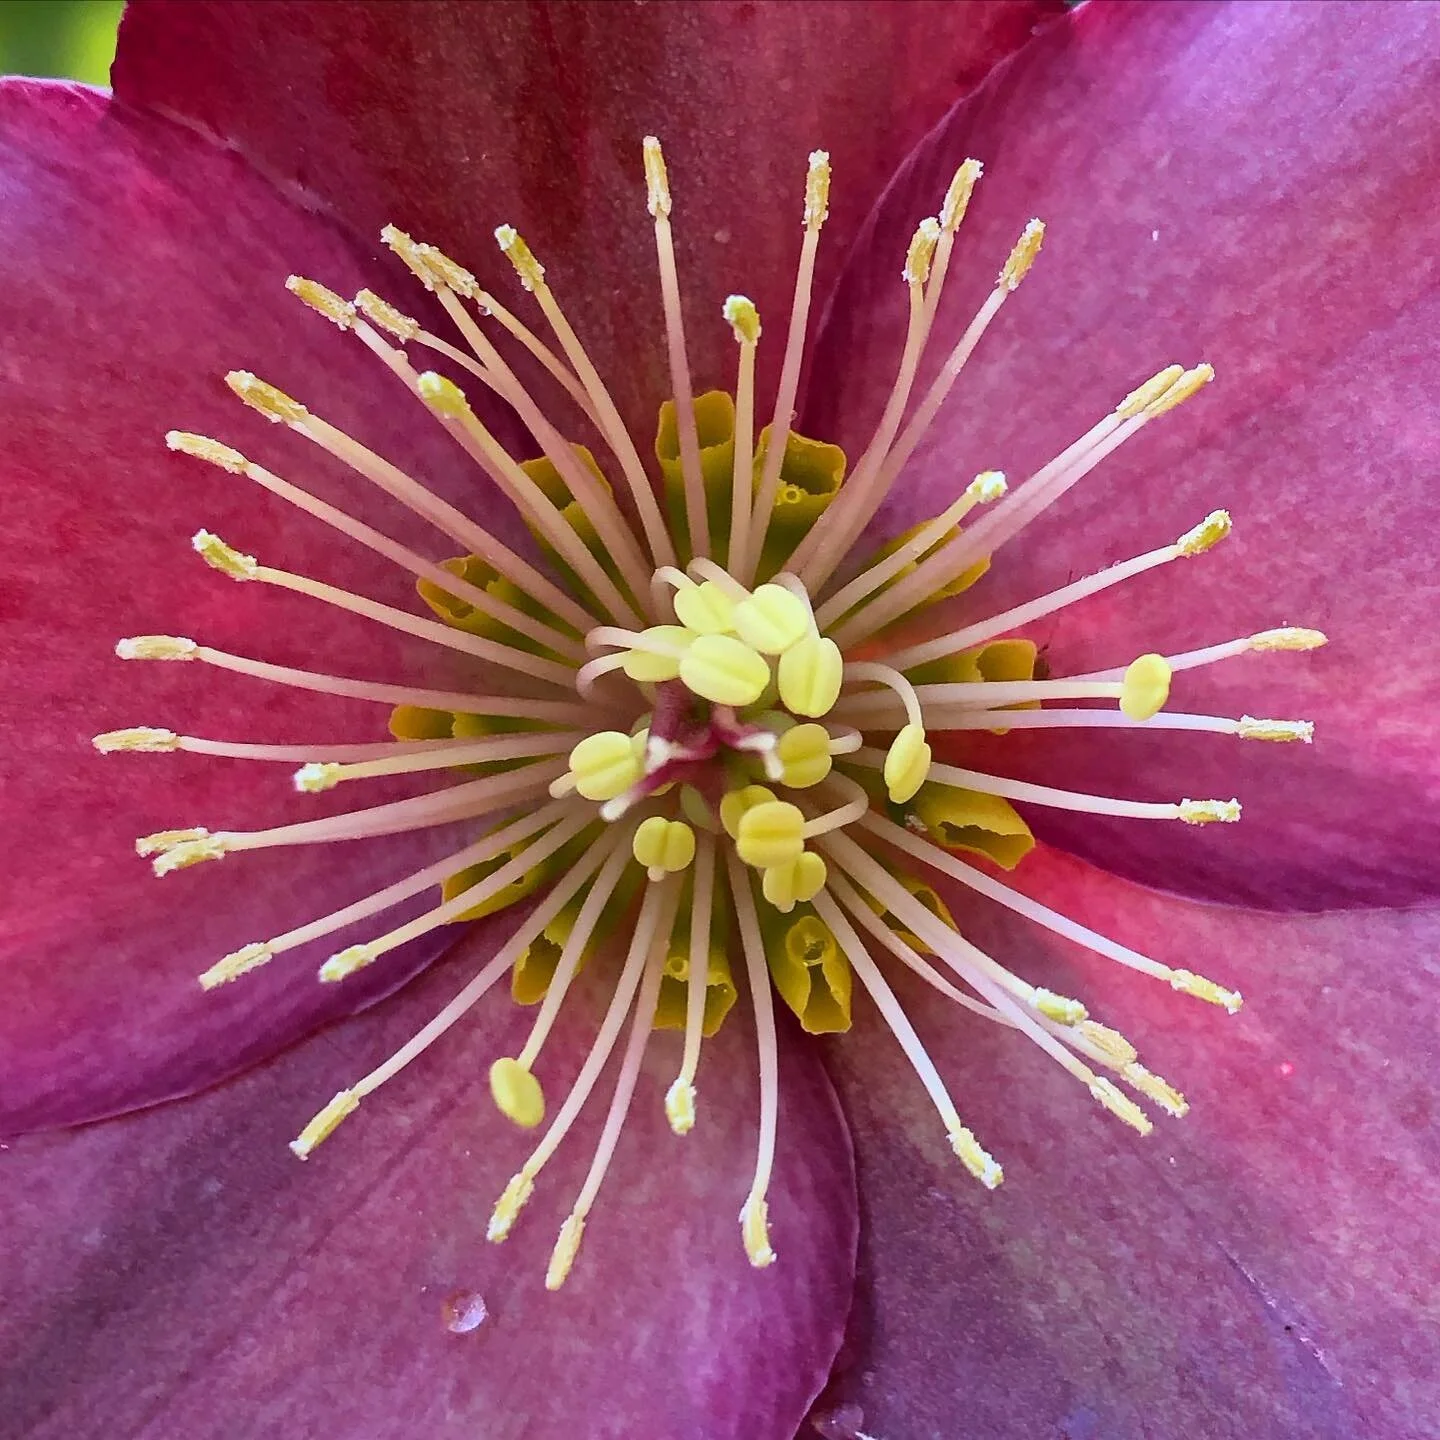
(680, 1098)
(974, 1157)
(244, 567)
(1246, 727)
(383, 314)
(754, 1214)
(745, 321)
(532, 277)
(1287, 638)
(441, 755)
(324, 1124)
(817, 199)
(333, 307)
(952, 212)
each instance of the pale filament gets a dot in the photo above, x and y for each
(742, 480)
(613, 635)
(701, 917)
(890, 677)
(708, 570)
(1033, 794)
(443, 516)
(489, 305)
(1210, 654)
(844, 739)
(969, 719)
(973, 635)
(894, 1016)
(314, 753)
(696, 518)
(446, 754)
(657, 912)
(397, 360)
(555, 900)
(415, 564)
(615, 847)
(779, 439)
(593, 670)
(447, 636)
(768, 1054)
(610, 525)
(549, 712)
(612, 427)
(1052, 920)
(883, 571)
(872, 708)
(951, 213)
(485, 848)
(846, 814)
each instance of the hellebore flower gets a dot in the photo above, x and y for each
(1247, 180)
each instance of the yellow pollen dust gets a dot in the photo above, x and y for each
(323, 1125)
(657, 182)
(433, 268)
(204, 448)
(1289, 637)
(921, 253)
(817, 190)
(527, 267)
(443, 396)
(275, 405)
(1208, 812)
(744, 318)
(385, 316)
(957, 197)
(1249, 728)
(333, 307)
(156, 647)
(755, 1231)
(222, 557)
(1022, 257)
(1208, 533)
(140, 738)
(1186, 385)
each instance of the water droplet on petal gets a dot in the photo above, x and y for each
(463, 1311)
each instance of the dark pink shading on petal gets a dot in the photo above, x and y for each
(139, 264)
(180, 1273)
(452, 118)
(1257, 1269)
(1247, 185)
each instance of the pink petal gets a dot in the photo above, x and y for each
(453, 118)
(1248, 185)
(171, 1271)
(139, 264)
(1259, 1268)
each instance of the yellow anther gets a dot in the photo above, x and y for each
(431, 267)
(921, 252)
(744, 318)
(1208, 812)
(1189, 983)
(156, 647)
(565, 1251)
(222, 557)
(1110, 1043)
(385, 316)
(333, 307)
(735, 803)
(517, 1093)
(680, 1107)
(141, 737)
(809, 676)
(802, 880)
(527, 267)
(772, 619)
(957, 197)
(986, 487)
(907, 763)
(1059, 1007)
(657, 182)
(1022, 257)
(1162, 1092)
(755, 1231)
(817, 190)
(1183, 388)
(162, 840)
(1146, 687)
(648, 667)
(204, 448)
(237, 963)
(317, 777)
(1289, 637)
(509, 1205)
(443, 396)
(185, 853)
(323, 1125)
(804, 755)
(975, 1158)
(770, 834)
(1117, 1102)
(663, 846)
(705, 608)
(346, 962)
(724, 670)
(605, 765)
(1209, 532)
(1144, 396)
(1253, 729)
(273, 404)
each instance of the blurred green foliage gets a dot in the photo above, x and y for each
(74, 39)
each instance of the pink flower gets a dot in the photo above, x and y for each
(1250, 183)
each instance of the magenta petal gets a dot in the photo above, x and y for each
(1248, 185)
(175, 1270)
(1260, 1268)
(452, 118)
(139, 264)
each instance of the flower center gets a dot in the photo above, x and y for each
(712, 722)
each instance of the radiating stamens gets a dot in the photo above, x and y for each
(680, 1098)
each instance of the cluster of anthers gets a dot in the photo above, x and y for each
(762, 784)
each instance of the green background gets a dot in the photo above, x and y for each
(70, 38)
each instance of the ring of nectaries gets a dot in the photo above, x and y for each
(752, 760)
